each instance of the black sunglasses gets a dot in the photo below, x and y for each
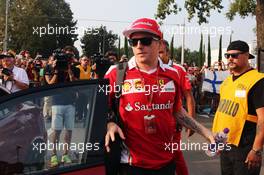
(144, 41)
(233, 55)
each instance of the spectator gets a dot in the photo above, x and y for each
(63, 108)
(85, 74)
(15, 78)
(29, 70)
(49, 71)
(101, 65)
(44, 63)
(85, 68)
(123, 59)
(49, 78)
(27, 55)
(112, 57)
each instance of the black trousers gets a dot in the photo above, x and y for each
(132, 170)
(233, 161)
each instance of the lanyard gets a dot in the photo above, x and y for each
(150, 96)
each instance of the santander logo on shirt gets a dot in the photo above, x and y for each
(137, 106)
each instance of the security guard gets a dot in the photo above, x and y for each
(241, 110)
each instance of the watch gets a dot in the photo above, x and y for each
(257, 152)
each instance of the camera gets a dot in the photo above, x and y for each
(37, 66)
(102, 64)
(7, 72)
(63, 59)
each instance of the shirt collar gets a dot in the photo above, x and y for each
(132, 63)
(170, 63)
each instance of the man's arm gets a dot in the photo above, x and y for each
(190, 103)
(259, 139)
(21, 81)
(254, 159)
(74, 73)
(52, 80)
(20, 85)
(185, 120)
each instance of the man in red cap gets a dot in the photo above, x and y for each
(149, 104)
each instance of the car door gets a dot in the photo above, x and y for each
(26, 144)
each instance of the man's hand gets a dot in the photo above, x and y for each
(54, 63)
(112, 128)
(253, 160)
(8, 78)
(183, 118)
(94, 66)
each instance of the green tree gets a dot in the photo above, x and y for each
(27, 18)
(220, 49)
(200, 62)
(209, 58)
(130, 52)
(230, 39)
(119, 48)
(202, 10)
(172, 48)
(190, 57)
(204, 55)
(98, 40)
(126, 47)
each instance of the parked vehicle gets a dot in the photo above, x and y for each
(24, 131)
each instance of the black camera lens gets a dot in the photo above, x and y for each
(6, 72)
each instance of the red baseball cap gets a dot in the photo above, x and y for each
(144, 25)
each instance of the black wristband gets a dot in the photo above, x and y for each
(257, 152)
(111, 117)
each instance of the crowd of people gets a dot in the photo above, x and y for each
(146, 121)
(39, 71)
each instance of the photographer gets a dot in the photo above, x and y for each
(63, 104)
(61, 68)
(14, 78)
(32, 69)
(102, 64)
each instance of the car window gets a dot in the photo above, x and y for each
(64, 121)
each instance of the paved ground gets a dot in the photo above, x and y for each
(198, 162)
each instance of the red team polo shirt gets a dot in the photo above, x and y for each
(143, 149)
(184, 80)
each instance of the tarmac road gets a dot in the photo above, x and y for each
(197, 161)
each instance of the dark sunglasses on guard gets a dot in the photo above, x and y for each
(144, 41)
(233, 55)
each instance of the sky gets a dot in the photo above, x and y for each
(116, 15)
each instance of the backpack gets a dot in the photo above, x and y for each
(112, 159)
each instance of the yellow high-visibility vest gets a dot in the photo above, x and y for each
(232, 111)
(84, 75)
